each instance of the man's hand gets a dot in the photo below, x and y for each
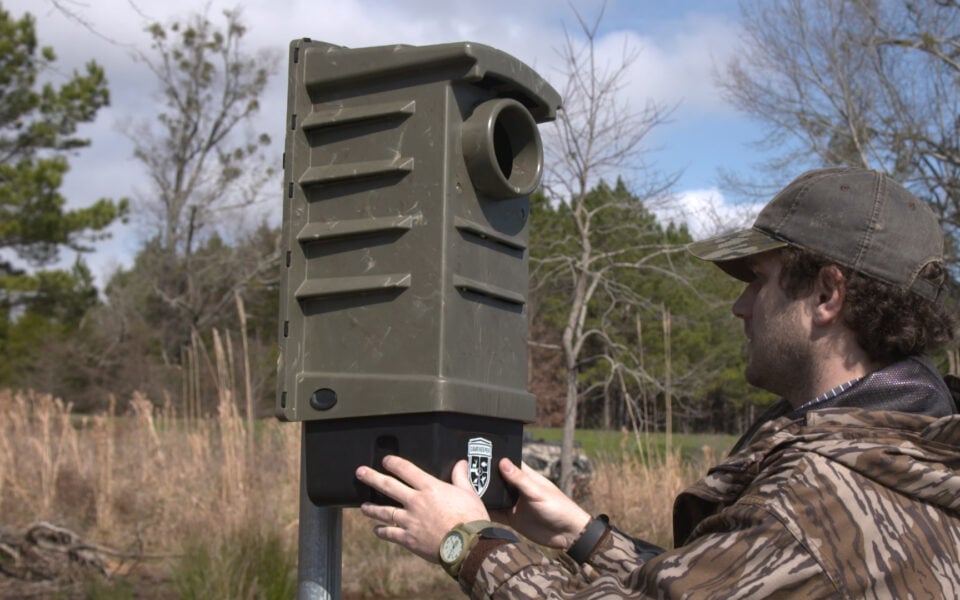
(429, 507)
(543, 514)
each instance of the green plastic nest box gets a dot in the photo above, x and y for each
(407, 171)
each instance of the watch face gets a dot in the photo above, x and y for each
(451, 547)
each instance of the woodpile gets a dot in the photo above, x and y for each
(544, 458)
(47, 553)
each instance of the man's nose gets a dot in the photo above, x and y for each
(742, 305)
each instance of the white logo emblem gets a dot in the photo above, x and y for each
(479, 455)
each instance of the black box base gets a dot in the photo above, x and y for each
(334, 449)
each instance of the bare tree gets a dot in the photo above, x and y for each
(206, 167)
(872, 83)
(199, 160)
(598, 136)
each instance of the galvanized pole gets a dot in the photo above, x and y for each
(320, 539)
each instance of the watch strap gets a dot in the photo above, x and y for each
(474, 527)
(479, 538)
(583, 547)
(469, 532)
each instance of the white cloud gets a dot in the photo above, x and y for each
(676, 68)
(706, 213)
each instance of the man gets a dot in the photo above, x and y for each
(847, 487)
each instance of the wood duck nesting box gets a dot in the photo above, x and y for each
(403, 309)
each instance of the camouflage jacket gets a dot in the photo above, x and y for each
(842, 502)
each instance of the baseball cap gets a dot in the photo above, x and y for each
(859, 218)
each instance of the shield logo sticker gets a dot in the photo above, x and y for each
(479, 456)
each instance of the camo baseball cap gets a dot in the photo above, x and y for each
(859, 218)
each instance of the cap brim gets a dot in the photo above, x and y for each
(728, 250)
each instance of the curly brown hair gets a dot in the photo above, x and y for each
(890, 323)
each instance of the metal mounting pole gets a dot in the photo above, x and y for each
(320, 540)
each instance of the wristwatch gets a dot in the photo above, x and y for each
(459, 541)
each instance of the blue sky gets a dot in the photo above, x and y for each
(681, 43)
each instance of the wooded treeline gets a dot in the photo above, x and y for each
(622, 320)
(625, 370)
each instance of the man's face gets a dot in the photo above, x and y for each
(779, 352)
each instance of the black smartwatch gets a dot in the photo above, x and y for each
(592, 533)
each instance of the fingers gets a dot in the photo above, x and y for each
(386, 485)
(389, 534)
(388, 515)
(407, 472)
(389, 528)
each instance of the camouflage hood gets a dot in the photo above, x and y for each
(912, 385)
(915, 456)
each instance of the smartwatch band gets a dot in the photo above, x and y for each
(582, 548)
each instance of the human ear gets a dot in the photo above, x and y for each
(830, 291)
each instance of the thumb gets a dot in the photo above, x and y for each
(529, 483)
(459, 477)
(513, 474)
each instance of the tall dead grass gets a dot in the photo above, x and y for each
(148, 481)
(638, 495)
(148, 477)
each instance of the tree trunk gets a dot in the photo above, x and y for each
(668, 384)
(569, 428)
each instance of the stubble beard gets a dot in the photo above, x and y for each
(779, 360)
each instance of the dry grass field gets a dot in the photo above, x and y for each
(207, 508)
